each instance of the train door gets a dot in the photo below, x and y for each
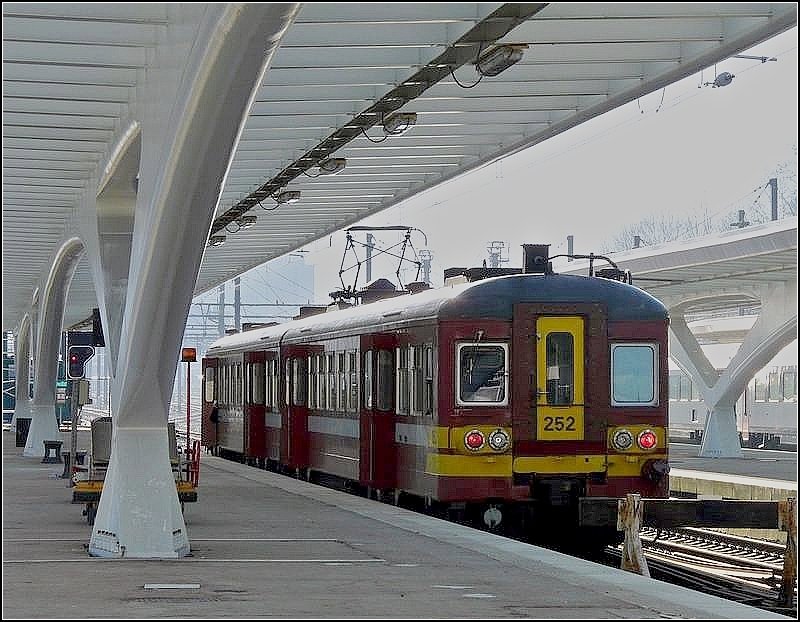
(559, 378)
(549, 392)
(294, 415)
(208, 427)
(378, 452)
(254, 404)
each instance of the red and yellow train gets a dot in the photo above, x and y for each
(505, 396)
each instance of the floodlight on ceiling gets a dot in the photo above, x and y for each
(331, 166)
(216, 240)
(287, 196)
(498, 59)
(399, 122)
(723, 79)
(246, 221)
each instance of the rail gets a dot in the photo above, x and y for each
(633, 512)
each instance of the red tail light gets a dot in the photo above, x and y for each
(474, 440)
(647, 439)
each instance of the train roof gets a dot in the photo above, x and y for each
(492, 297)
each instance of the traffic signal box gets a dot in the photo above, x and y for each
(76, 359)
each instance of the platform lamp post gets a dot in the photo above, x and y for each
(188, 356)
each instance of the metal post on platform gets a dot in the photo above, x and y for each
(73, 441)
(188, 356)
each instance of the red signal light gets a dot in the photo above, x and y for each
(647, 439)
(78, 355)
(474, 440)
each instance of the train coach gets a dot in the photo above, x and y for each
(508, 396)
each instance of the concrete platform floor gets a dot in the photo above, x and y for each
(267, 546)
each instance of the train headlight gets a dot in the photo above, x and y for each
(474, 440)
(622, 439)
(498, 440)
(647, 439)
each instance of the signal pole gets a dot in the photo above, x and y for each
(774, 187)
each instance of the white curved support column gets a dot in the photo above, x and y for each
(107, 231)
(144, 525)
(193, 106)
(22, 355)
(44, 424)
(775, 328)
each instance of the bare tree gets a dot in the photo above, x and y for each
(668, 228)
(659, 229)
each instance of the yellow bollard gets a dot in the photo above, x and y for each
(629, 519)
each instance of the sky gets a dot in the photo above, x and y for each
(687, 150)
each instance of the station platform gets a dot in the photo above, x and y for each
(759, 475)
(268, 546)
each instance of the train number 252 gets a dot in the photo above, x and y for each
(559, 424)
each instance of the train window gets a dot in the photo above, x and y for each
(209, 384)
(270, 388)
(353, 370)
(257, 383)
(239, 385)
(332, 381)
(224, 383)
(342, 371)
(674, 386)
(789, 385)
(368, 379)
(760, 390)
(560, 355)
(634, 374)
(696, 397)
(686, 388)
(774, 386)
(428, 373)
(482, 374)
(287, 384)
(384, 384)
(322, 400)
(312, 381)
(299, 393)
(402, 381)
(417, 381)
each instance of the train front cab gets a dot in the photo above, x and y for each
(566, 404)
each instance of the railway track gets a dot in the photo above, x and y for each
(740, 569)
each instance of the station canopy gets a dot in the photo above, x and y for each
(483, 80)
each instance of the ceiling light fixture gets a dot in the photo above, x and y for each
(723, 79)
(245, 222)
(216, 240)
(287, 196)
(498, 59)
(399, 122)
(331, 166)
